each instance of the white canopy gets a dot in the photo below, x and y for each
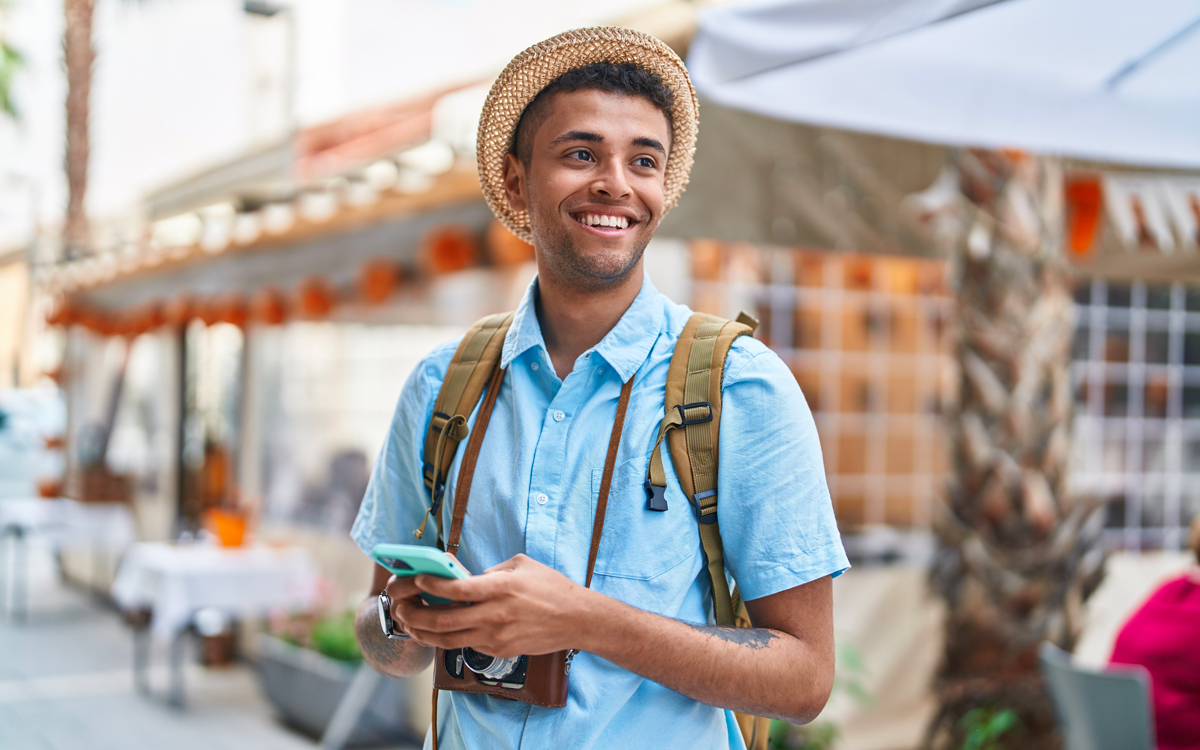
(1110, 80)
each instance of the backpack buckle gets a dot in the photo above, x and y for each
(684, 421)
(656, 497)
(706, 506)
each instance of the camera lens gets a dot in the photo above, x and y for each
(491, 667)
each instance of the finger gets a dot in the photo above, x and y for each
(474, 589)
(449, 619)
(461, 639)
(401, 588)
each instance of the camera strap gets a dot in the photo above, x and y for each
(466, 473)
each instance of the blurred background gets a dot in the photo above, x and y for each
(228, 230)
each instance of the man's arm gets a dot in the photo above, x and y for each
(394, 658)
(782, 668)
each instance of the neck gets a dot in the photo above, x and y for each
(574, 320)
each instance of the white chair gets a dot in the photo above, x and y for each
(1108, 710)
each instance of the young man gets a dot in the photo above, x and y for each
(585, 142)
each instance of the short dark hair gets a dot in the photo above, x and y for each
(629, 79)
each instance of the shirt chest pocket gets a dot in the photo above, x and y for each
(641, 544)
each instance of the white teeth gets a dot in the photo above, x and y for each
(604, 220)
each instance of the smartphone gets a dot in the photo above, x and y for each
(412, 559)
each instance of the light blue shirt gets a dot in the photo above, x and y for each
(535, 489)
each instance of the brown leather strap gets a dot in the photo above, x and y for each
(610, 463)
(434, 733)
(466, 470)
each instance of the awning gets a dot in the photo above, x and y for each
(1106, 80)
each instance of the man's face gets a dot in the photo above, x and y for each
(594, 185)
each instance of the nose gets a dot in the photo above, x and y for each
(611, 181)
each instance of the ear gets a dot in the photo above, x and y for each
(513, 177)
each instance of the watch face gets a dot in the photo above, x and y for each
(385, 619)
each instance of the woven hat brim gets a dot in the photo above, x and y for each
(532, 70)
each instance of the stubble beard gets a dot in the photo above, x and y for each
(560, 256)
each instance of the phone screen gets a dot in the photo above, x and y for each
(394, 563)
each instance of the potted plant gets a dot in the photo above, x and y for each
(306, 666)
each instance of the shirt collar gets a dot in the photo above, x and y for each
(625, 347)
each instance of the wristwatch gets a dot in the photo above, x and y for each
(385, 618)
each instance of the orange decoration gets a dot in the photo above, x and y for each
(100, 322)
(267, 306)
(178, 311)
(449, 248)
(207, 311)
(228, 526)
(232, 308)
(505, 248)
(54, 442)
(377, 279)
(50, 488)
(61, 315)
(1084, 202)
(315, 296)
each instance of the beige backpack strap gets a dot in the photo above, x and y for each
(693, 403)
(470, 369)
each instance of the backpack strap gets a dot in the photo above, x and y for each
(691, 424)
(473, 366)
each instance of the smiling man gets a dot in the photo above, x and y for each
(585, 142)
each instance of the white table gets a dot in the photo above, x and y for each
(175, 581)
(104, 527)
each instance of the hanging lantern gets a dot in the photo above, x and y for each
(100, 322)
(179, 310)
(267, 306)
(377, 279)
(505, 248)
(232, 308)
(1084, 203)
(315, 297)
(207, 311)
(59, 315)
(449, 248)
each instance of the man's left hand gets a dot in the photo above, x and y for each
(518, 607)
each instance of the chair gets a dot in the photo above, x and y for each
(1107, 710)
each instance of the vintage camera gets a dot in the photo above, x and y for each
(508, 672)
(540, 680)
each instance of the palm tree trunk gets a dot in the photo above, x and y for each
(78, 57)
(1017, 557)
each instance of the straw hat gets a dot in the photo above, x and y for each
(531, 71)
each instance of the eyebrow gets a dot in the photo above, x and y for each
(589, 137)
(650, 143)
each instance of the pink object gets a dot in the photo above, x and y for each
(1164, 637)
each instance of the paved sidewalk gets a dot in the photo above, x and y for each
(66, 682)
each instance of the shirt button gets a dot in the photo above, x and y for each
(559, 416)
(534, 366)
(542, 498)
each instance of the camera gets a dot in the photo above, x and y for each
(494, 671)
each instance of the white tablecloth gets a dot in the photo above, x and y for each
(177, 580)
(65, 522)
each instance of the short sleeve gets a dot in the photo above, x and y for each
(775, 514)
(396, 500)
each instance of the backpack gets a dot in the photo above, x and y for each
(691, 427)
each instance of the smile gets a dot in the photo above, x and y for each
(606, 223)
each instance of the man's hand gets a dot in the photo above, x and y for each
(517, 607)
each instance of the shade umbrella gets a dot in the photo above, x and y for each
(1107, 80)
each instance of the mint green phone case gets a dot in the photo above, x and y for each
(412, 559)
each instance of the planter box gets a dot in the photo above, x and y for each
(305, 687)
